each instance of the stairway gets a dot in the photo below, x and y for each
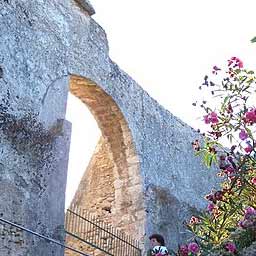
(91, 235)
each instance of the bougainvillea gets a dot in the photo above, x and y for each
(228, 223)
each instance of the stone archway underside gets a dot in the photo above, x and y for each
(111, 185)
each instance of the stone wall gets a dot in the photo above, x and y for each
(44, 47)
(96, 191)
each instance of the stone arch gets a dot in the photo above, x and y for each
(111, 186)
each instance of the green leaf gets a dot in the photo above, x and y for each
(232, 229)
(211, 228)
(224, 103)
(208, 158)
(249, 132)
(200, 152)
(253, 40)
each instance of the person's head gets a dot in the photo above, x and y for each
(156, 240)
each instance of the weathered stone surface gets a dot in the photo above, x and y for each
(250, 251)
(43, 43)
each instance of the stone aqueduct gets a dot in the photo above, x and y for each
(143, 177)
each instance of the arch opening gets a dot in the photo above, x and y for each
(110, 187)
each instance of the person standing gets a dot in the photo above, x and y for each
(156, 241)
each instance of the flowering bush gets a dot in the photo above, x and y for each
(190, 249)
(228, 224)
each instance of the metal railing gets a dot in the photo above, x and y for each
(86, 228)
(48, 239)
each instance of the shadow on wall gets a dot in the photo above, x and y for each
(168, 214)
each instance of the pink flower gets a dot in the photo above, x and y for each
(184, 250)
(236, 62)
(249, 211)
(243, 135)
(231, 247)
(209, 197)
(211, 118)
(193, 247)
(207, 120)
(240, 64)
(248, 149)
(213, 114)
(196, 145)
(250, 116)
(194, 220)
(210, 207)
(214, 118)
(229, 170)
(245, 223)
(218, 195)
(229, 109)
(253, 181)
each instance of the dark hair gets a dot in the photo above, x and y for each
(158, 238)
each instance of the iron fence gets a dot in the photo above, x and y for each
(88, 229)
